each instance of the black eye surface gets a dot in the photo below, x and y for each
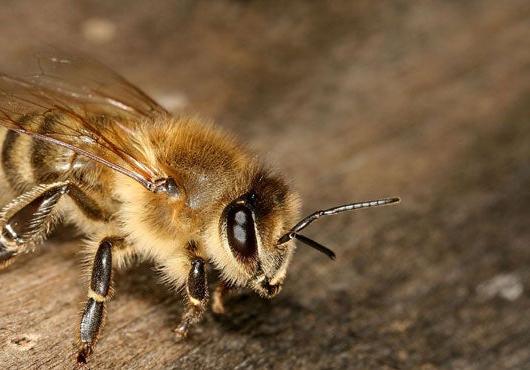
(240, 231)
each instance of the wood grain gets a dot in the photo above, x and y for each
(426, 100)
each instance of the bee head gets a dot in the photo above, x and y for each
(250, 226)
(257, 234)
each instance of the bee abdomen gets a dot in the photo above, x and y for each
(16, 167)
(28, 162)
(50, 162)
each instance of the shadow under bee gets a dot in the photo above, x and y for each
(246, 312)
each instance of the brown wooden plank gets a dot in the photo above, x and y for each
(425, 100)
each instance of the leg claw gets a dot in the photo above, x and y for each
(181, 332)
(82, 358)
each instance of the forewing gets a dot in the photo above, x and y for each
(89, 81)
(109, 140)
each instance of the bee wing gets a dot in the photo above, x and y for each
(78, 100)
(86, 80)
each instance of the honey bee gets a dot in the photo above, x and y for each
(81, 143)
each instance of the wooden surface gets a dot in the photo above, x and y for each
(426, 100)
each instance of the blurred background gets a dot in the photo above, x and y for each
(352, 100)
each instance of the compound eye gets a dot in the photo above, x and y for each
(240, 231)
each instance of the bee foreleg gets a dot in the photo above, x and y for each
(99, 292)
(197, 294)
(26, 220)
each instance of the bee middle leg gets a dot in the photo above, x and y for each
(99, 293)
(26, 220)
(197, 294)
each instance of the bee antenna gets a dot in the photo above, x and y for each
(316, 245)
(306, 221)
